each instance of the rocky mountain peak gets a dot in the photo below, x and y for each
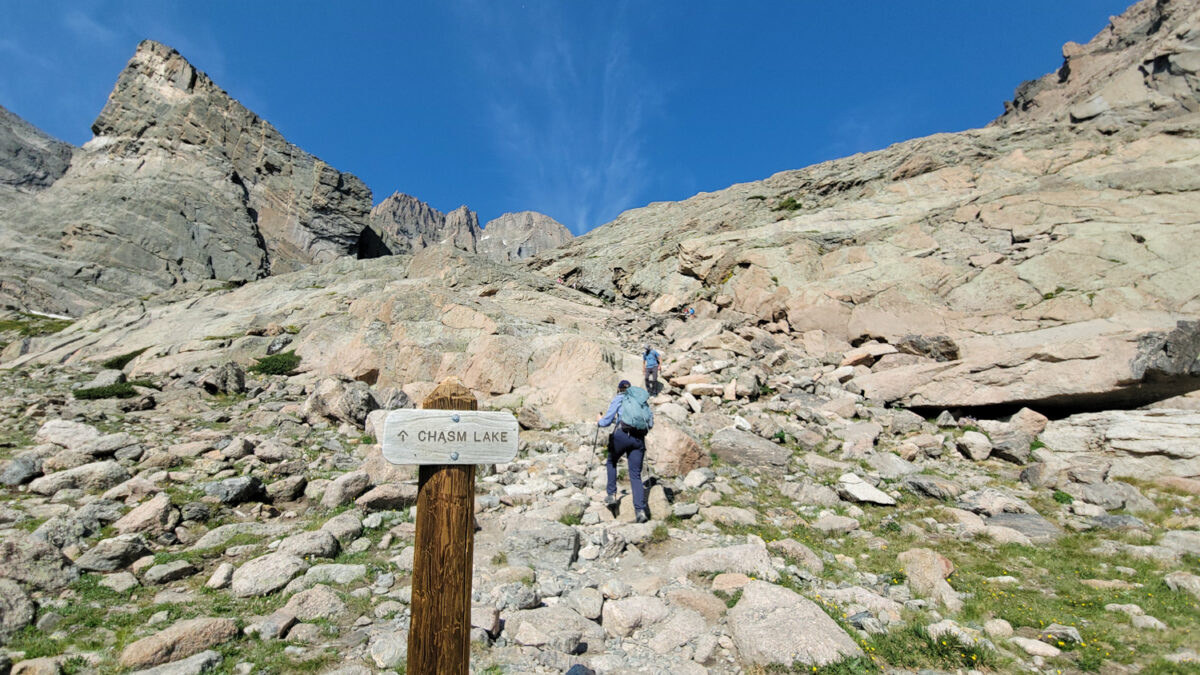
(1144, 66)
(305, 210)
(405, 224)
(180, 184)
(462, 229)
(516, 236)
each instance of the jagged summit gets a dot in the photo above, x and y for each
(1144, 66)
(181, 183)
(404, 224)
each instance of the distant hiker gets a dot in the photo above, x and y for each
(630, 410)
(691, 312)
(650, 364)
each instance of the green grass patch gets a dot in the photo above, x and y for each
(911, 646)
(119, 362)
(788, 204)
(1051, 591)
(571, 518)
(1062, 497)
(730, 599)
(118, 390)
(283, 363)
(32, 325)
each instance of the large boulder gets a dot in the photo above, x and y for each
(1124, 360)
(35, 564)
(266, 574)
(228, 378)
(927, 571)
(621, 617)
(233, 491)
(312, 544)
(751, 559)
(16, 609)
(744, 449)
(557, 624)
(152, 517)
(110, 555)
(92, 477)
(66, 433)
(181, 640)
(542, 545)
(1142, 444)
(774, 626)
(345, 488)
(339, 400)
(672, 452)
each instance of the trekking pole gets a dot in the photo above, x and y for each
(596, 441)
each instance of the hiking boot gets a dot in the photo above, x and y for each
(611, 500)
(642, 516)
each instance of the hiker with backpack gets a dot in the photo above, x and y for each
(651, 360)
(630, 411)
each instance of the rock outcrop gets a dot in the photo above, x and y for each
(517, 236)
(180, 184)
(1143, 67)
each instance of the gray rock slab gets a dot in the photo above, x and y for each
(744, 449)
(1038, 529)
(266, 574)
(192, 665)
(771, 625)
(542, 545)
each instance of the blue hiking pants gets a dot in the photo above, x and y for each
(633, 449)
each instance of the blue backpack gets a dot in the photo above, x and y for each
(635, 409)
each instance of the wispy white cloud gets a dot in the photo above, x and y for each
(28, 56)
(567, 105)
(87, 28)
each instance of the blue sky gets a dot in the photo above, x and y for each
(578, 109)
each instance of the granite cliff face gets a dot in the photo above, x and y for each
(404, 224)
(517, 236)
(181, 183)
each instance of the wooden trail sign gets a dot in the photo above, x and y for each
(447, 450)
(449, 437)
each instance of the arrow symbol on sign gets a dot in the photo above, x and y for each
(403, 436)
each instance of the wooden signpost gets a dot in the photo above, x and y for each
(447, 438)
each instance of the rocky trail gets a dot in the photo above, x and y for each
(230, 522)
